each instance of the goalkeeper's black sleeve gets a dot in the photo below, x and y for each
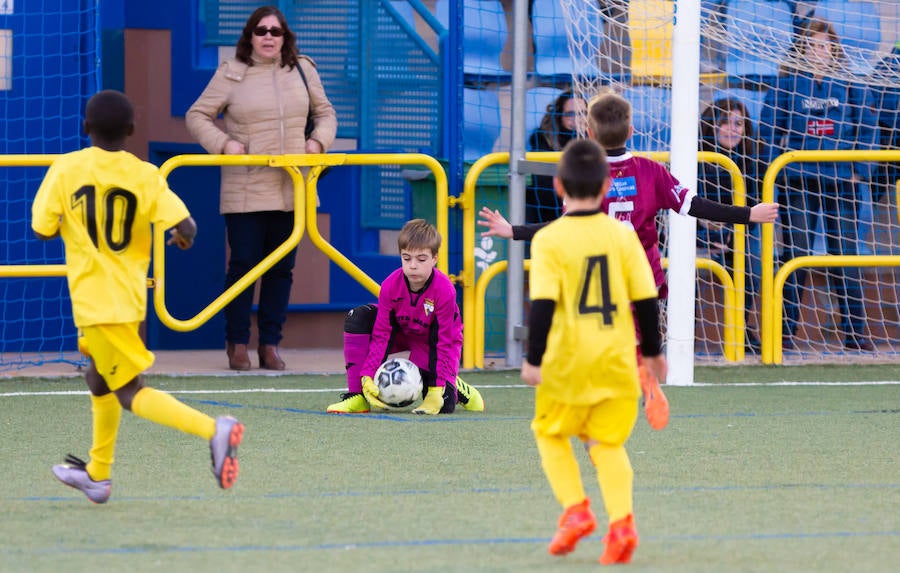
(648, 321)
(538, 328)
(719, 212)
(526, 232)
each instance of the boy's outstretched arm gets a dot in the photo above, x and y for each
(496, 223)
(722, 213)
(183, 233)
(498, 226)
(764, 213)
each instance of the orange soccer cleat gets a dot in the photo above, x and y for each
(621, 541)
(656, 406)
(577, 521)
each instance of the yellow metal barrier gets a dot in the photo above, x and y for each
(304, 220)
(819, 261)
(481, 285)
(771, 302)
(30, 270)
(488, 274)
(159, 243)
(473, 303)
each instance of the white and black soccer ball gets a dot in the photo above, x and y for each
(399, 383)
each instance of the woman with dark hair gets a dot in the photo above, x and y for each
(726, 128)
(812, 107)
(557, 128)
(266, 94)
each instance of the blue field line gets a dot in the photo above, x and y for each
(655, 489)
(390, 544)
(467, 417)
(390, 416)
(220, 391)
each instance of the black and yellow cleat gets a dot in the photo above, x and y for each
(469, 396)
(351, 403)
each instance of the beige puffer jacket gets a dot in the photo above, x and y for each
(265, 108)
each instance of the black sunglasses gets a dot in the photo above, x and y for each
(262, 31)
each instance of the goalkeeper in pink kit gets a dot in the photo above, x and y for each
(416, 311)
(640, 188)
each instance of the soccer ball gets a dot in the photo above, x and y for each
(399, 383)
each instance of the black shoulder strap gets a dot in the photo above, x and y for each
(310, 125)
(302, 76)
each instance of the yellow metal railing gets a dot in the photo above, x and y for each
(772, 284)
(473, 293)
(30, 270)
(305, 209)
(488, 274)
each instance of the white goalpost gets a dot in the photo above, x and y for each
(593, 20)
(679, 72)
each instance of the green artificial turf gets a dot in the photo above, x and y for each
(745, 478)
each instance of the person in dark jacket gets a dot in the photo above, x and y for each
(812, 108)
(557, 128)
(726, 128)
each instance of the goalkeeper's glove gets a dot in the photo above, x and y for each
(433, 402)
(370, 392)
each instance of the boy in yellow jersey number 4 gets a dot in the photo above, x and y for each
(587, 272)
(103, 202)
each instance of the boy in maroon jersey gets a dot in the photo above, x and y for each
(640, 188)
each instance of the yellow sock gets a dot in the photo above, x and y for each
(106, 413)
(616, 478)
(164, 409)
(561, 469)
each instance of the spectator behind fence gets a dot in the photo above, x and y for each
(811, 108)
(887, 105)
(558, 127)
(267, 94)
(726, 128)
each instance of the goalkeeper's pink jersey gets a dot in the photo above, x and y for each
(427, 323)
(640, 188)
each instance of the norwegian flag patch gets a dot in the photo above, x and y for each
(820, 127)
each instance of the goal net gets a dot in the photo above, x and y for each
(48, 67)
(747, 50)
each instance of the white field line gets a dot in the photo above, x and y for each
(496, 386)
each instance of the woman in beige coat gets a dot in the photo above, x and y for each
(265, 104)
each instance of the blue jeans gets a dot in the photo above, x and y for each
(251, 237)
(866, 219)
(814, 201)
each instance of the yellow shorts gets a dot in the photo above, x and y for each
(118, 352)
(609, 422)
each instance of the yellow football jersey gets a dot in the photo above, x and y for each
(103, 204)
(593, 267)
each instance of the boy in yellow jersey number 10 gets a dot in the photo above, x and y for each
(587, 273)
(103, 202)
